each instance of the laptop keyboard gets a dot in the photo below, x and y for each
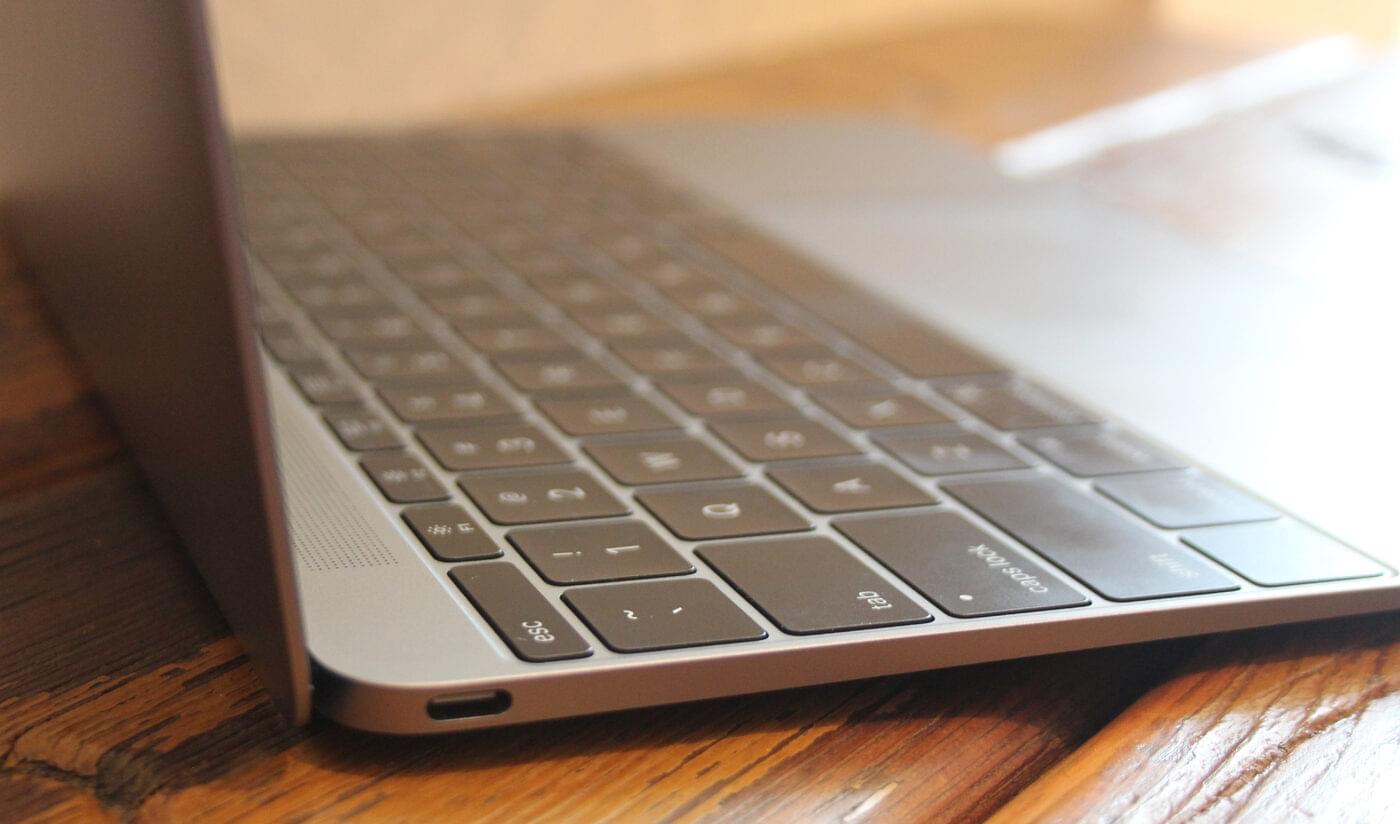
(627, 384)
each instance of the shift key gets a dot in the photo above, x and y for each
(1114, 555)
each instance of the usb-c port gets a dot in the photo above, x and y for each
(468, 705)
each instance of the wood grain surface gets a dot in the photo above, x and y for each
(1289, 723)
(122, 696)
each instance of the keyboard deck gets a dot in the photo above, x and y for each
(628, 384)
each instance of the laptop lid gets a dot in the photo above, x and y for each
(117, 194)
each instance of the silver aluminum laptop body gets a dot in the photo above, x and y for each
(115, 185)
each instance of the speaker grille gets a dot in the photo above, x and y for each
(328, 531)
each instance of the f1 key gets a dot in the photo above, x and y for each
(450, 533)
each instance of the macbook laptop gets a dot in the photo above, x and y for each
(479, 427)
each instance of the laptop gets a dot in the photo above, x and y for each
(468, 428)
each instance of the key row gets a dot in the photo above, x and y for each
(1172, 499)
(1006, 404)
(804, 585)
(1095, 541)
(933, 452)
(808, 585)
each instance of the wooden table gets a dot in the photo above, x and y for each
(122, 695)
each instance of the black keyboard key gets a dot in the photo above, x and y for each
(442, 404)
(433, 272)
(626, 246)
(443, 282)
(1090, 452)
(653, 615)
(591, 553)
(300, 232)
(780, 439)
(524, 618)
(585, 292)
(508, 240)
(559, 375)
(449, 533)
(427, 264)
(903, 341)
(540, 498)
(266, 313)
(817, 369)
(673, 275)
(624, 325)
(943, 452)
(1176, 500)
(403, 479)
(877, 408)
(289, 348)
(661, 461)
(322, 385)
(479, 309)
(318, 264)
(722, 511)
(348, 296)
(766, 335)
(606, 416)
(406, 366)
(518, 340)
(812, 585)
(1101, 546)
(407, 245)
(383, 219)
(724, 397)
(719, 303)
(672, 359)
(538, 263)
(468, 448)
(1013, 404)
(1282, 553)
(849, 487)
(961, 568)
(361, 430)
(378, 329)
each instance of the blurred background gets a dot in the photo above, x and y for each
(331, 63)
(1267, 131)
(1269, 125)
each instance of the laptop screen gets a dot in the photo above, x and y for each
(115, 193)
